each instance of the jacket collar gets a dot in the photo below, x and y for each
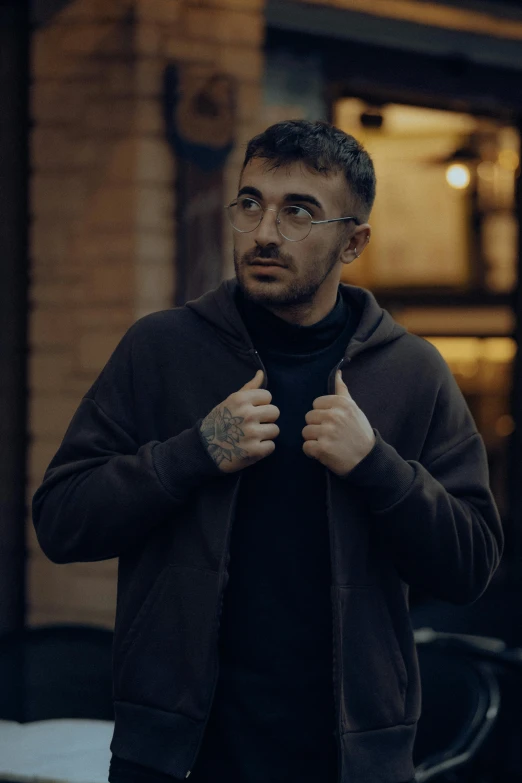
(218, 308)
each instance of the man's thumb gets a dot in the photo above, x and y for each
(340, 386)
(256, 381)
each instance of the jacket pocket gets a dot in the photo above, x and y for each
(168, 657)
(134, 629)
(373, 677)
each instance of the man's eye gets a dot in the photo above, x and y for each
(297, 212)
(249, 205)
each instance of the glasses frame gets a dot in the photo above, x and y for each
(278, 221)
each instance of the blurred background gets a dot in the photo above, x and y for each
(122, 129)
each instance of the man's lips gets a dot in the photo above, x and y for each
(265, 262)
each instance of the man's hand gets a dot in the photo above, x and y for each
(337, 432)
(239, 431)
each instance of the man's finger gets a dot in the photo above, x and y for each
(340, 387)
(326, 402)
(257, 396)
(311, 431)
(268, 413)
(314, 417)
(256, 381)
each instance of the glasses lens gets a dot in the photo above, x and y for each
(294, 223)
(245, 214)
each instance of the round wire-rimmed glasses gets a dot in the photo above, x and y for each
(293, 222)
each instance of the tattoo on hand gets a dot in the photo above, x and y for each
(220, 428)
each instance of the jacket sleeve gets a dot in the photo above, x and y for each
(436, 516)
(104, 491)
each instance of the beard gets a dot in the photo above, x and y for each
(301, 289)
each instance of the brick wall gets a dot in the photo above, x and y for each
(102, 205)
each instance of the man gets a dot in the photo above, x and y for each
(274, 464)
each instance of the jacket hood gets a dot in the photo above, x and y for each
(218, 308)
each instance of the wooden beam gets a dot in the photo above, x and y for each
(432, 14)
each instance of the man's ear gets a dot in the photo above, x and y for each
(356, 243)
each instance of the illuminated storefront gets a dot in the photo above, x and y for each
(443, 132)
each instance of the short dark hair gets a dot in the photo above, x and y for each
(323, 148)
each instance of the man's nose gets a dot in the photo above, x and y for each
(267, 233)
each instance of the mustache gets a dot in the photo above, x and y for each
(269, 253)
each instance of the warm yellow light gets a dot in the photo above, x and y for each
(486, 170)
(459, 350)
(458, 176)
(508, 159)
(504, 425)
(499, 349)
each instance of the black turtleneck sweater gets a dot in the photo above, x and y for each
(273, 716)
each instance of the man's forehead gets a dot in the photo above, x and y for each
(293, 177)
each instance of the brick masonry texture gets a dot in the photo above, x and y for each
(102, 240)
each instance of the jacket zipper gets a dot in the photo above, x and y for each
(221, 590)
(331, 377)
(335, 634)
(336, 662)
(260, 362)
(221, 593)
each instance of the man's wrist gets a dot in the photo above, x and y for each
(183, 463)
(383, 474)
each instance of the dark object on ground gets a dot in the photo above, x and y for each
(461, 702)
(56, 672)
(488, 748)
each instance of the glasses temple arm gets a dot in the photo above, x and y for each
(336, 220)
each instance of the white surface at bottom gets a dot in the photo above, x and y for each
(61, 751)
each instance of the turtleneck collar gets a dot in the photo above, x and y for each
(269, 332)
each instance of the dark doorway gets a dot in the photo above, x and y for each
(14, 91)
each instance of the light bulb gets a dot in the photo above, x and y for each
(458, 176)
